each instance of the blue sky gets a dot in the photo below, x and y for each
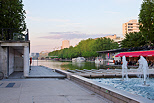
(51, 21)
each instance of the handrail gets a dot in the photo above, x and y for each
(12, 34)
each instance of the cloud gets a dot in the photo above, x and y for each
(71, 25)
(72, 35)
(46, 19)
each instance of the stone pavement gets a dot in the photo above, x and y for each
(46, 91)
(38, 72)
(44, 72)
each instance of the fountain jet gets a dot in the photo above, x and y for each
(143, 69)
(124, 68)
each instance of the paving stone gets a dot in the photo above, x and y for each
(47, 91)
(43, 72)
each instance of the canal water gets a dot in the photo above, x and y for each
(68, 65)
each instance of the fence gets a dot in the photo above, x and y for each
(12, 34)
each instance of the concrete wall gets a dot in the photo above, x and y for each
(11, 60)
(3, 60)
(15, 61)
(11, 56)
(18, 62)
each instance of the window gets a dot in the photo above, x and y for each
(130, 24)
(129, 29)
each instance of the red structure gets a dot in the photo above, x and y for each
(136, 54)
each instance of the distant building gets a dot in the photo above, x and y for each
(111, 36)
(114, 38)
(65, 44)
(131, 26)
(43, 54)
(34, 55)
(37, 55)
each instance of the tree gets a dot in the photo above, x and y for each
(12, 15)
(134, 39)
(146, 20)
(104, 44)
(86, 48)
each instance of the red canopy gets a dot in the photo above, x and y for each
(148, 53)
(136, 54)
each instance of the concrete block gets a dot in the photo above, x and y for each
(132, 75)
(101, 93)
(118, 75)
(97, 91)
(116, 100)
(107, 96)
(96, 75)
(103, 90)
(109, 75)
(96, 86)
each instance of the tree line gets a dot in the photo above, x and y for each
(86, 48)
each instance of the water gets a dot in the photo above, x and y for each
(67, 65)
(132, 85)
(124, 68)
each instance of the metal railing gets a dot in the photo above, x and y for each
(12, 34)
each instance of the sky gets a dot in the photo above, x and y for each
(52, 21)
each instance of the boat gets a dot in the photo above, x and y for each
(79, 59)
(99, 60)
(73, 59)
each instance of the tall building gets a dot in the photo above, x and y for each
(131, 26)
(111, 36)
(65, 44)
(114, 38)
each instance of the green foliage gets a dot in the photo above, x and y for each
(105, 44)
(86, 48)
(134, 39)
(12, 15)
(146, 19)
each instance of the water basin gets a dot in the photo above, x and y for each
(132, 85)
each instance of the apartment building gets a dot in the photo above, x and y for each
(111, 36)
(65, 44)
(131, 26)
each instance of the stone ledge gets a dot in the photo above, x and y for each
(106, 91)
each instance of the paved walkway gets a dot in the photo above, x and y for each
(46, 91)
(44, 72)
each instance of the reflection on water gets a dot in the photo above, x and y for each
(78, 64)
(50, 64)
(67, 65)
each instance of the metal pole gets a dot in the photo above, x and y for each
(37, 61)
(33, 61)
(2, 33)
